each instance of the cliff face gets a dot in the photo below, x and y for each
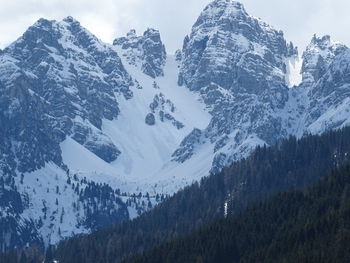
(237, 64)
(146, 52)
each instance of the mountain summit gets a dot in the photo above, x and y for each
(238, 65)
(146, 51)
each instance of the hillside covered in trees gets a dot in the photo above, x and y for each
(300, 226)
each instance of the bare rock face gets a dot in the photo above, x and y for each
(162, 109)
(327, 83)
(318, 56)
(73, 76)
(57, 81)
(237, 64)
(235, 49)
(146, 51)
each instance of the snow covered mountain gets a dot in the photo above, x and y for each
(237, 63)
(93, 133)
(256, 87)
(60, 84)
(325, 79)
(84, 126)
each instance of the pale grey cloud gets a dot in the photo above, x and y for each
(301, 19)
(107, 19)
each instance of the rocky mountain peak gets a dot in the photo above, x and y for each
(225, 35)
(318, 56)
(237, 63)
(151, 32)
(74, 77)
(146, 51)
(71, 20)
(221, 15)
(292, 50)
(42, 22)
(228, 15)
(220, 10)
(131, 34)
(323, 43)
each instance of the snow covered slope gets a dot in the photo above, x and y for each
(146, 149)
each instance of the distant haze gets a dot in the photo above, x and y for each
(108, 19)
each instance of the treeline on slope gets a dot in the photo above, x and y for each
(165, 222)
(300, 226)
(291, 164)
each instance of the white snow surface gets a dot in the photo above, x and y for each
(145, 160)
(35, 187)
(86, 164)
(294, 76)
(336, 116)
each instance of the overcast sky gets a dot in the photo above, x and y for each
(299, 19)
